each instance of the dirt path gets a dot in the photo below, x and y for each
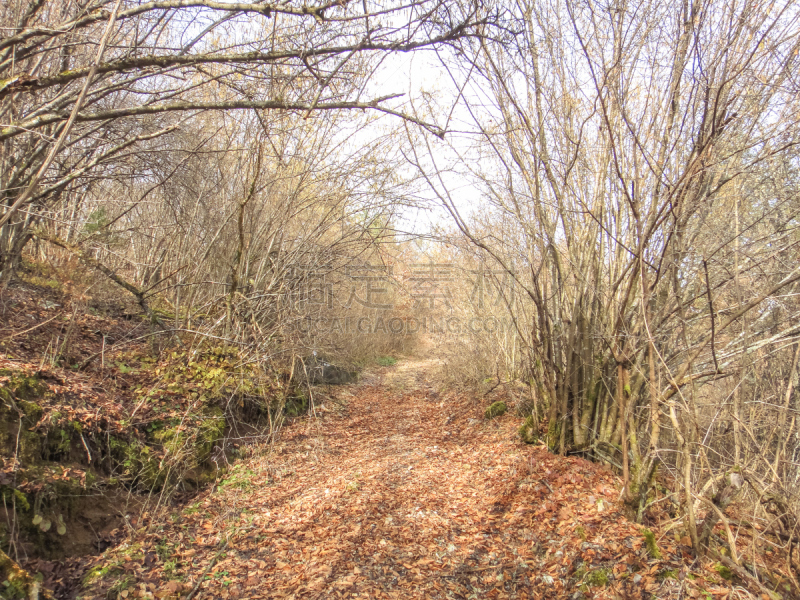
(398, 492)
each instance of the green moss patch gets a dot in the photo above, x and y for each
(723, 571)
(598, 577)
(586, 577)
(667, 574)
(19, 413)
(22, 386)
(650, 543)
(553, 434)
(495, 410)
(17, 584)
(528, 432)
(75, 460)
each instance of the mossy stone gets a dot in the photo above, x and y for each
(495, 410)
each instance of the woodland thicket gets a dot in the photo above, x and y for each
(617, 183)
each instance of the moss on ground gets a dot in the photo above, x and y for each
(667, 574)
(138, 463)
(22, 386)
(587, 578)
(723, 571)
(598, 577)
(63, 460)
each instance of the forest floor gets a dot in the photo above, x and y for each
(394, 490)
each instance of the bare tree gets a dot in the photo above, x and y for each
(641, 166)
(70, 107)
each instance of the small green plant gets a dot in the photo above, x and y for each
(123, 368)
(44, 524)
(387, 361)
(170, 567)
(95, 574)
(163, 551)
(241, 479)
(13, 590)
(122, 584)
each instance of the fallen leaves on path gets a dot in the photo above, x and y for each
(386, 495)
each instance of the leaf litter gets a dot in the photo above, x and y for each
(384, 494)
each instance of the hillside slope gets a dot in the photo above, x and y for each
(100, 421)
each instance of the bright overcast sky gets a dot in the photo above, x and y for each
(414, 74)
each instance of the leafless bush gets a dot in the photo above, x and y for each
(640, 177)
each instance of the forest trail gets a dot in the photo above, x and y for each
(396, 491)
